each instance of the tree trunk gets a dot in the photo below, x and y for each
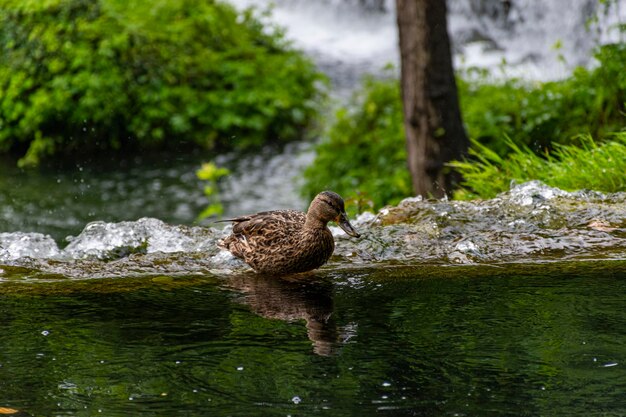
(432, 119)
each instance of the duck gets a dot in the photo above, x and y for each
(288, 241)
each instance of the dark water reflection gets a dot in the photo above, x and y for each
(301, 297)
(457, 341)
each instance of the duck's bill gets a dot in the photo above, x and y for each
(346, 226)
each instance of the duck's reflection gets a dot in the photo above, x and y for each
(300, 297)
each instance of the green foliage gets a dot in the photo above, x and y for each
(363, 157)
(540, 115)
(211, 173)
(84, 75)
(364, 154)
(599, 167)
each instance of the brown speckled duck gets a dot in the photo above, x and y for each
(288, 241)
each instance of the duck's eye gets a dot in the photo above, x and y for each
(332, 205)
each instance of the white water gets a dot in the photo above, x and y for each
(265, 181)
(530, 223)
(347, 41)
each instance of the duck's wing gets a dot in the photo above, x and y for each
(260, 224)
(256, 235)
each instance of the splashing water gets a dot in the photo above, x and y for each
(530, 223)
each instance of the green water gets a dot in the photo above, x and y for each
(61, 200)
(546, 340)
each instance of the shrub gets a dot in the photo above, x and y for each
(82, 75)
(363, 157)
(540, 115)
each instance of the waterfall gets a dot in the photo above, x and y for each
(536, 40)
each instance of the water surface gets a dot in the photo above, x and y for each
(512, 306)
(430, 340)
(60, 201)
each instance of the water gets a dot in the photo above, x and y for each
(506, 307)
(536, 40)
(531, 223)
(60, 201)
(455, 340)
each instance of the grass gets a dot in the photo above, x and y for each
(589, 165)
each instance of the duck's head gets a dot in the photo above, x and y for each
(328, 206)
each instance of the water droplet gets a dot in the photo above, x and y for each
(240, 368)
(296, 400)
(45, 332)
(386, 384)
(610, 364)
